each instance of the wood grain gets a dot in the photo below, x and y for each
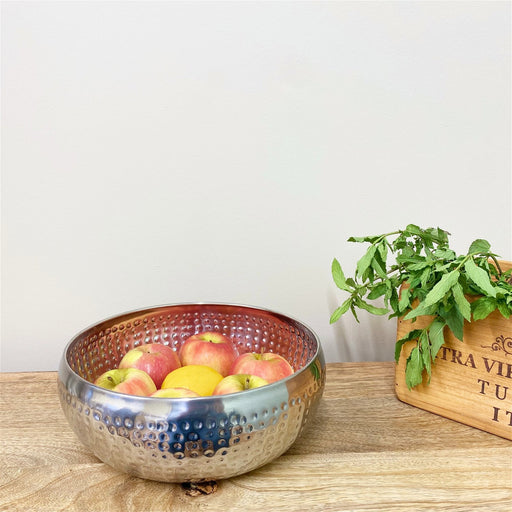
(364, 450)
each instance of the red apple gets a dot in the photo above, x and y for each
(237, 383)
(212, 349)
(175, 393)
(131, 381)
(156, 359)
(267, 365)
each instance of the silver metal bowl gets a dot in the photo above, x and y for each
(191, 439)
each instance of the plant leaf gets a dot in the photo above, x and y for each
(411, 335)
(353, 309)
(364, 263)
(338, 276)
(412, 229)
(442, 287)
(454, 320)
(414, 368)
(504, 309)
(446, 254)
(370, 308)
(403, 303)
(436, 335)
(480, 277)
(462, 302)
(439, 235)
(483, 307)
(383, 251)
(378, 291)
(479, 246)
(424, 345)
(338, 312)
(425, 276)
(378, 265)
(421, 310)
(393, 300)
(418, 266)
(370, 239)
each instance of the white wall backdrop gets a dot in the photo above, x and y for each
(161, 152)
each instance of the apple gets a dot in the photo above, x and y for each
(237, 383)
(209, 348)
(156, 359)
(131, 381)
(267, 365)
(175, 393)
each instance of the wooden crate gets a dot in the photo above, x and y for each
(471, 380)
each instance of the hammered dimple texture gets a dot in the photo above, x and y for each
(178, 440)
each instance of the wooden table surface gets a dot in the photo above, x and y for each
(374, 453)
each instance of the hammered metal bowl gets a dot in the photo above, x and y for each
(191, 439)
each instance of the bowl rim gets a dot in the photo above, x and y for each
(269, 387)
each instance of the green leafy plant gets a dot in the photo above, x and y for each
(425, 278)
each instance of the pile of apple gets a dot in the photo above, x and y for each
(207, 363)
